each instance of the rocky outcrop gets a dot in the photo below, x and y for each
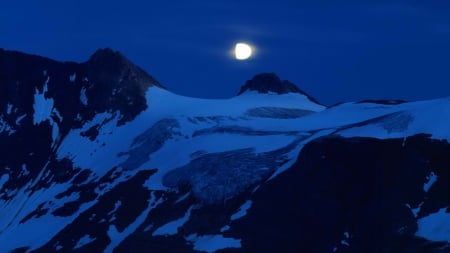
(351, 195)
(270, 82)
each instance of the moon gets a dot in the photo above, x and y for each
(242, 51)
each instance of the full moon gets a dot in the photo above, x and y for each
(242, 51)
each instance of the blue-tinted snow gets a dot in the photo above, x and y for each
(345, 240)
(57, 114)
(431, 179)
(415, 116)
(4, 126)
(55, 132)
(435, 227)
(150, 141)
(117, 237)
(242, 210)
(101, 155)
(346, 235)
(24, 171)
(3, 179)
(212, 243)
(86, 239)
(225, 228)
(20, 205)
(112, 212)
(42, 106)
(171, 228)
(416, 210)
(183, 197)
(73, 77)
(20, 118)
(83, 97)
(9, 108)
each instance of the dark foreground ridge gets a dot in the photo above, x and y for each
(342, 195)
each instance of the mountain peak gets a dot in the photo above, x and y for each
(117, 82)
(113, 64)
(107, 54)
(270, 82)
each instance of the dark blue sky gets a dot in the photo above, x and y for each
(336, 52)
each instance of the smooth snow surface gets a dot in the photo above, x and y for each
(212, 243)
(242, 210)
(435, 227)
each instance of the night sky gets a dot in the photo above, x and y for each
(334, 50)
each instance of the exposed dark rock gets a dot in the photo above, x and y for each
(116, 84)
(111, 84)
(270, 82)
(277, 112)
(383, 101)
(359, 185)
(119, 207)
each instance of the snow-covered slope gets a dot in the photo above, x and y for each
(98, 157)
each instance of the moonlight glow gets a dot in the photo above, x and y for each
(242, 51)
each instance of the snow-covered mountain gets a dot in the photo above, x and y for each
(100, 157)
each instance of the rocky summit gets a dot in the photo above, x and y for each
(99, 157)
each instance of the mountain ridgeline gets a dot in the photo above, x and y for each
(100, 157)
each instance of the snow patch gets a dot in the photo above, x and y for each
(117, 237)
(25, 171)
(416, 210)
(86, 239)
(242, 210)
(3, 180)
(435, 227)
(345, 240)
(4, 126)
(73, 77)
(83, 97)
(55, 132)
(116, 206)
(185, 196)
(42, 106)
(20, 118)
(431, 179)
(9, 108)
(112, 212)
(57, 114)
(212, 243)
(58, 247)
(346, 235)
(225, 228)
(171, 228)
